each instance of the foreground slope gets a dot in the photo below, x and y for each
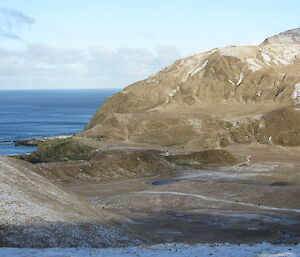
(179, 250)
(224, 96)
(37, 213)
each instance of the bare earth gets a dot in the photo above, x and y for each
(254, 201)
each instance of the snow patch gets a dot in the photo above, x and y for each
(277, 54)
(270, 140)
(231, 82)
(254, 66)
(266, 57)
(174, 92)
(281, 55)
(259, 93)
(192, 71)
(296, 93)
(202, 66)
(290, 53)
(240, 79)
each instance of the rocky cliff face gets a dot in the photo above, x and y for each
(211, 99)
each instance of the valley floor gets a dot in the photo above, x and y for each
(250, 208)
(254, 201)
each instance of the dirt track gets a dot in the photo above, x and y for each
(254, 201)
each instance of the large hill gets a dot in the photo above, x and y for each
(235, 94)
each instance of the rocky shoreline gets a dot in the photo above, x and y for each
(36, 141)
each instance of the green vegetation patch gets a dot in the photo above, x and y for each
(215, 157)
(59, 150)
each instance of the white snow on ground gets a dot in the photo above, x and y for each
(266, 57)
(216, 250)
(231, 82)
(174, 92)
(202, 66)
(296, 94)
(240, 79)
(254, 66)
(281, 55)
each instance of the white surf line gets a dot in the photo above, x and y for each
(219, 200)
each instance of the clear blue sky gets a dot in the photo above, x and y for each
(100, 44)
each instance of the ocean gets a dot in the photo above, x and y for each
(28, 114)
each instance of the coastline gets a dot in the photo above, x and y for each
(36, 141)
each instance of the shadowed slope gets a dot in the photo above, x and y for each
(37, 213)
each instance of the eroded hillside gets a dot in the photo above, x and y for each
(236, 94)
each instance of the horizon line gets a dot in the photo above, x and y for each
(44, 89)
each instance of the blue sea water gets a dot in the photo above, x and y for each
(43, 113)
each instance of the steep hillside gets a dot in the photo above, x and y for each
(37, 213)
(223, 96)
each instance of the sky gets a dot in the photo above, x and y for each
(61, 44)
